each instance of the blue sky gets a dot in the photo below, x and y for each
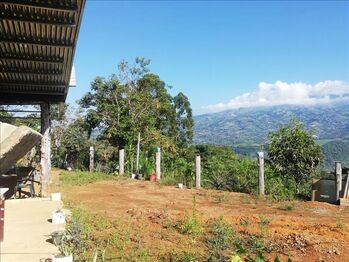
(221, 54)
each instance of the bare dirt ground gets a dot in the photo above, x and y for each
(309, 231)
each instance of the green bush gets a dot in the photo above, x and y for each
(295, 155)
(224, 170)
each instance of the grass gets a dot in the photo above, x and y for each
(221, 240)
(191, 224)
(286, 207)
(245, 222)
(80, 178)
(99, 237)
(221, 198)
(339, 223)
(263, 223)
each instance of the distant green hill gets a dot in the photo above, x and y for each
(251, 125)
(246, 129)
(337, 150)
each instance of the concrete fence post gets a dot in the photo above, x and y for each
(198, 171)
(261, 173)
(92, 158)
(121, 162)
(158, 164)
(338, 179)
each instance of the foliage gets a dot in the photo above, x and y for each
(94, 234)
(73, 240)
(191, 224)
(112, 114)
(294, 153)
(223, 169)
(336, 150)
(185, 122)
(146, 165)
(137, 101)
(183, 256)
(220, 240)
(70, 145)
(277, 187)
(263, 223)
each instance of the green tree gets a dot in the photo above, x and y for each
(137, 101)
(134, 101)
(184, 116)
(70, 144)
(294, 153)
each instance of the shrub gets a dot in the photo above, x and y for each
(294, 153)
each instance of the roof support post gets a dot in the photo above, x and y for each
(45, 149)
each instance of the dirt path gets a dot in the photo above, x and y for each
(309, 231)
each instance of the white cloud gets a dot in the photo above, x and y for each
(282, 93)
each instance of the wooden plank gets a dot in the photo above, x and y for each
(33, 84)
(31, 72)
(37, 20)
(41, 5)
(30, 98)
(29, 58)
(20, 40)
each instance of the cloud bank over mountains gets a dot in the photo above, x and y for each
(282, 93)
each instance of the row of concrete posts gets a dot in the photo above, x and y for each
(197, 167)
(157, 165)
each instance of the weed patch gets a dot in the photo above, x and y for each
(286, 207)
(79, 178)
(221, 198)
(221, 240)
(191, 224)
(263, 223)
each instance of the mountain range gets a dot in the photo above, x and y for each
(245, 129)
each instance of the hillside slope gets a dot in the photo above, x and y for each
(337, 150)
(252, 125)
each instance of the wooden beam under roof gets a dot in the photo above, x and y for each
(37, 20)
(2, 84)
(28, 58)
(29, 99)
(23, 41)
(41, 5)
(30, 72)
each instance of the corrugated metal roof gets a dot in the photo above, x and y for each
(37, 44)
